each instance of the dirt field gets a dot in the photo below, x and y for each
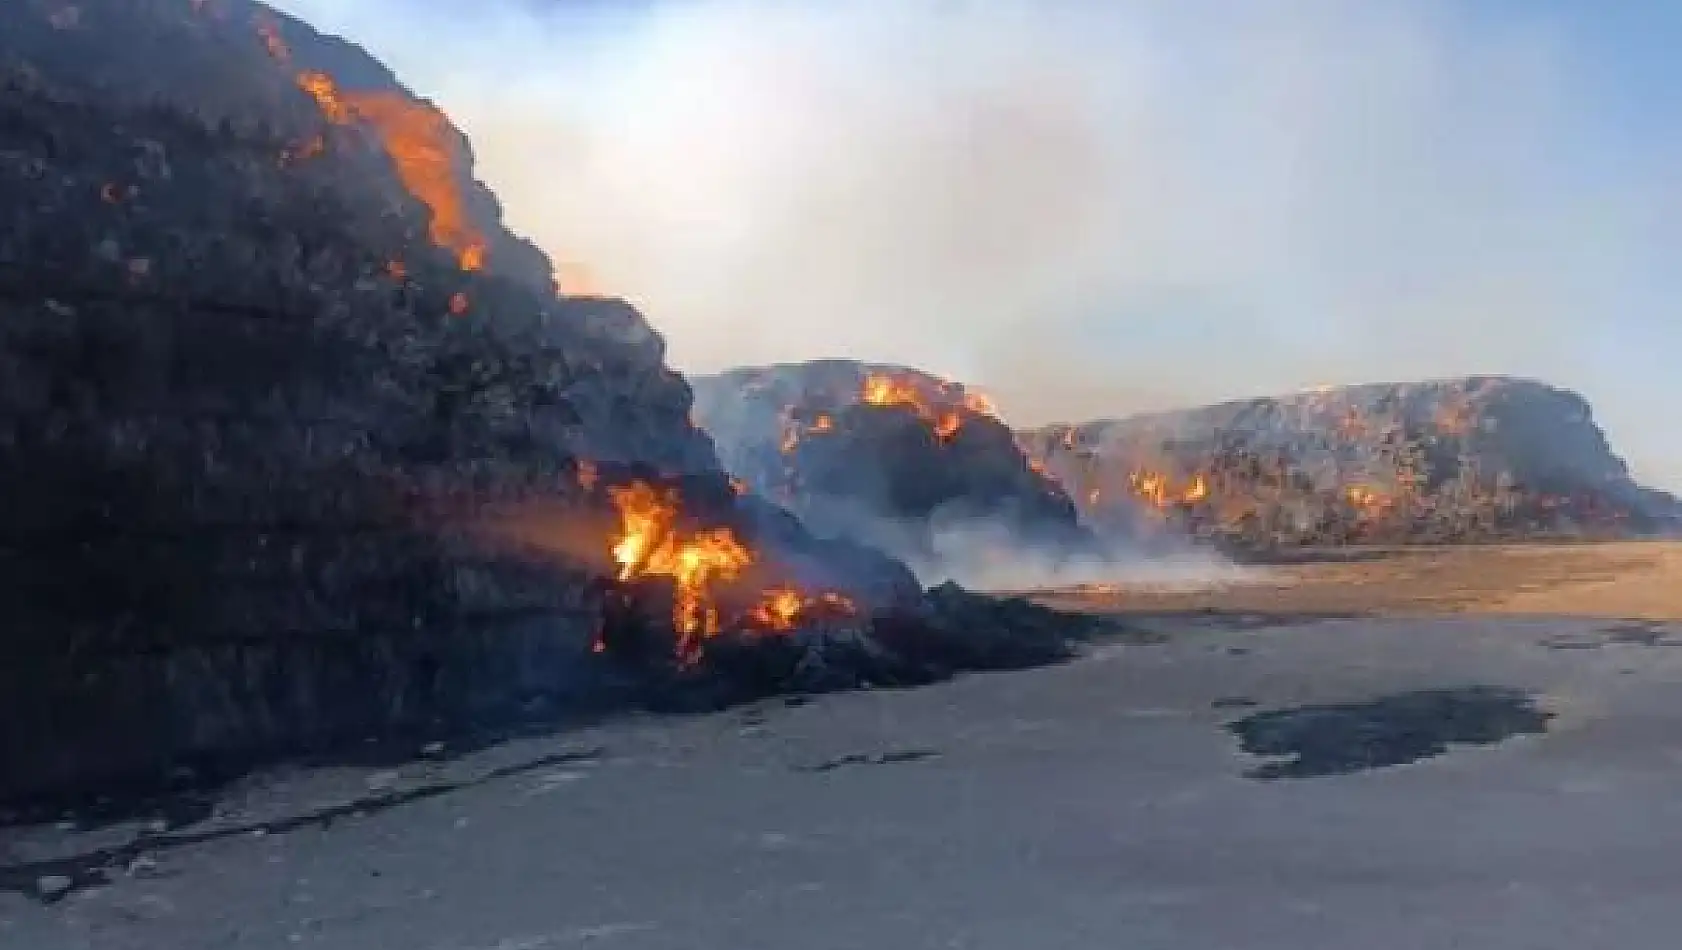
(1628, 580)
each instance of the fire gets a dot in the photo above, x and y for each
(1197, 491)
(793, 431)
(699, 563)
(652, 544)
(417, 138)
(458, 304)
(783, 608)
(1155, 488)
(882, 389)
(980, 404)
(1369, 500)
(1150, 486)
(780, 608)
(421, 143)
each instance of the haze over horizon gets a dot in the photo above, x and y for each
(1089, 212)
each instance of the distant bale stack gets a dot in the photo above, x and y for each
(884, 454)
(1463, 460)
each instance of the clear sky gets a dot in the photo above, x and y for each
(1090, 208)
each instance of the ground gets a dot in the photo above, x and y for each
(1476, 747)
(1634, 580)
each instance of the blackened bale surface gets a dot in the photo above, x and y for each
(255, 420)
(903, 469)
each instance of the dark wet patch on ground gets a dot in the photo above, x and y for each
(1394, 730)
(93, 868)
(891, 757)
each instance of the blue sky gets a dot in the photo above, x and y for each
(1094, 208)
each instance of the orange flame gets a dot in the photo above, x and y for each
(417, 137)
(1370, 501)
(783, 608)
(792, 430)
(882, 389)
(652, 544)
(420, 142)
(1197, 491)
(977, 403)
(699, 563)
(1156, 488)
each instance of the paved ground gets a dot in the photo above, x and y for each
(1102, 804)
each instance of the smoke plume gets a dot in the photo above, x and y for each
(1086, 208)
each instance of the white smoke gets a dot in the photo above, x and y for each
(1086, 208)
(990, 557)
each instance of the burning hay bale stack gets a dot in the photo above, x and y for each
(304, 447)
(1476, 459)
(888, 455)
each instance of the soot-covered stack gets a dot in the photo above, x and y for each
(886, 454)
(1474, 459)
(300, 444)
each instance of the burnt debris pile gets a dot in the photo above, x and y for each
(303, 446)
(892, 456)
(1462, 460)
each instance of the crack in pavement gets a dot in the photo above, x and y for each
(891, 757)
(50, 881)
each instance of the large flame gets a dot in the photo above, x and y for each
(700, 563)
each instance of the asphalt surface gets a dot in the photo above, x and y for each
(1487, 782)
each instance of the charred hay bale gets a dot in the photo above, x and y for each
(950, 631)
(254, 418)
(884, 454)
(892, 459)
